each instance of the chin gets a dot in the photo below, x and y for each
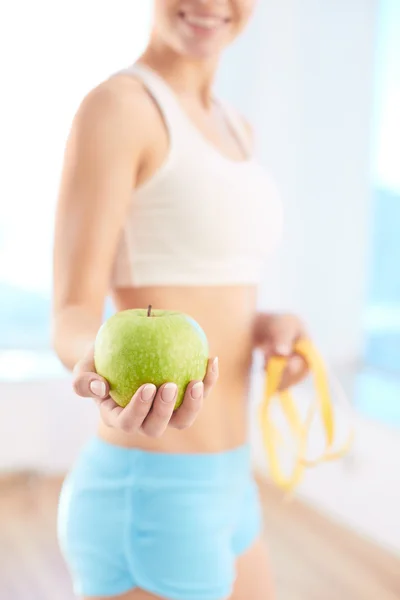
(201, 52)
(201, 49)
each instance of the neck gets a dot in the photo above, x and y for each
(187, 76)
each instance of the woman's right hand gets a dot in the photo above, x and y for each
(136, 416)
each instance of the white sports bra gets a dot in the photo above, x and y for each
(202, 219)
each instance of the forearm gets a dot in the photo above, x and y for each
(74, 331)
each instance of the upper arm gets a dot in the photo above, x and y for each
(101, 159)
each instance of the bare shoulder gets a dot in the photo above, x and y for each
(118, 106)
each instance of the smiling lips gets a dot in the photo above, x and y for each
(206, 23)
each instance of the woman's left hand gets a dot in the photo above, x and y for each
(276, 335)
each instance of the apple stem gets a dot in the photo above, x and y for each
(149, 311)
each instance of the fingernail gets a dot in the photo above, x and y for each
(283, 349)
(148, 392)
(98, 388)
(197, 390)
(214, 366)
(169, 392)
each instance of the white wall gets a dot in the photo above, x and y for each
(43, 425)
(387, 138)
(305, 81)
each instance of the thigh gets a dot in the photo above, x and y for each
(254, 578)
(253, 581)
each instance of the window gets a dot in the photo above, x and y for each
(378, 386)
(383, 312)
(59, 52)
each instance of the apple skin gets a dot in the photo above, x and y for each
(132, 348)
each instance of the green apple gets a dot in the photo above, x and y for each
(139, 346)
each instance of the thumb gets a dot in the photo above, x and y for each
(86, 382)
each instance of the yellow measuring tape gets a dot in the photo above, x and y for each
(321, 406)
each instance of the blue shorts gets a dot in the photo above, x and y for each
(171, 524)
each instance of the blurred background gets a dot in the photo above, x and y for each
(320, 81)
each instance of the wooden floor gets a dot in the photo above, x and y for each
(312, 558)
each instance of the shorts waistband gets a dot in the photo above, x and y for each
(192, 466)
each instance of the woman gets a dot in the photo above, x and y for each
(161, 203)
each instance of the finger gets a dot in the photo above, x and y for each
(162, 408)
(267, 351)
(86, 363)
(211, 376)
(87, 383)
(109, 411)
(295, 371)
(91, 385)
(131, 417)
(192, 403)
(286, 335)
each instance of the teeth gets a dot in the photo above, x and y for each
(206, 22)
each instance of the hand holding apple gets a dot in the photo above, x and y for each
(142, 360)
